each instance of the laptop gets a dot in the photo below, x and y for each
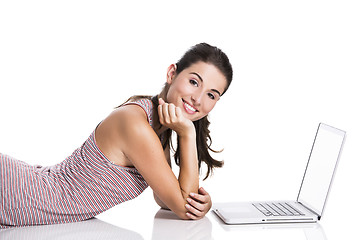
(314, 188)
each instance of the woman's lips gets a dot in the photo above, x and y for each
(189, 108)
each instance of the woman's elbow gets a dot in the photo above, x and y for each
(182, 213)
(183, 216)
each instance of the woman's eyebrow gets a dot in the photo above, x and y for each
(214, 90)
(197, 76)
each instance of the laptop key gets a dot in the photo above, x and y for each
(285, 209)
(294, 210)
(271, 209)
(280, 209)
(262, 209)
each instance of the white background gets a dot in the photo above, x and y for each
(64, 65)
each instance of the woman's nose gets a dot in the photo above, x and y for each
(196, 98)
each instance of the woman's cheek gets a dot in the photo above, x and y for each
(211, 104)
(207, 108)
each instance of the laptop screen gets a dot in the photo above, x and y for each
(321, 167)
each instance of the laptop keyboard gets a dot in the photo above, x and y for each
(277, 209)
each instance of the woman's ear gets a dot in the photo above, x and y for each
(171, 73)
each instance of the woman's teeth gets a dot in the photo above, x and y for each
(189, 107)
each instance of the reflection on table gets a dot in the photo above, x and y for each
(92, 229)
(165, 225)
(168, 226)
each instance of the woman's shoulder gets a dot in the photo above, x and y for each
(125, 122)
(130, 114)
(146, 105)
(134, 125)
(122, 130)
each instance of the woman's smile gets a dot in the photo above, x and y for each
(190, 109)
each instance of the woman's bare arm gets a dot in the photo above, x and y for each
(198, 203)
(142, 147)
(168, 159)
(171, 116)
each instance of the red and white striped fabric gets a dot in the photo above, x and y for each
(82, 186)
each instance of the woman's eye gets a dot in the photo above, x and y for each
(211, 96)
(194, 82)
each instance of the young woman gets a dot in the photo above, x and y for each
(128, 151)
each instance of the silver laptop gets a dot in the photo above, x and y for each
(314, 189)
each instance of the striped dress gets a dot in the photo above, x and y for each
(82, 186)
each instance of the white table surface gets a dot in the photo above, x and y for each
(142, 219)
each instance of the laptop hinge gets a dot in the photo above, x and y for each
(310, 210)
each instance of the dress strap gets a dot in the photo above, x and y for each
(147, 105)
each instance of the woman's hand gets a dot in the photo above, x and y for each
(172, 117)
(199, 204)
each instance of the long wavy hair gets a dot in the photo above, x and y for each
(201, 52)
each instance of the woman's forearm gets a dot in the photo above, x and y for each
(172, 117)
(188, 175)
(189, 172)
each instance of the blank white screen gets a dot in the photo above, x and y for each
(321, 166)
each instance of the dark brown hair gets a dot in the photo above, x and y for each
(202, 52)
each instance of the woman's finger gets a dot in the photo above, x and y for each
(172, 113)
(178, 112)
(199, 197)
(202, 191)
(161, 101)
(160, 113)
(194, 211)
(165, 113)
(192, 216)
(198, 205)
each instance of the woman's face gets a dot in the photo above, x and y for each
(196, 89)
